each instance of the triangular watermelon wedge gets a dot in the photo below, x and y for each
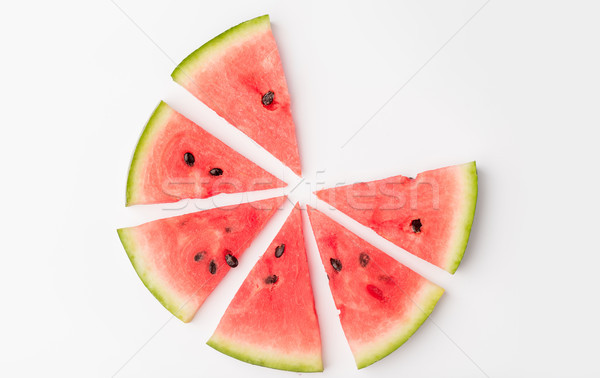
(182, 259)
(175, 159)
(381, 302)
(272, 319)
(239, 75)
(429, 216)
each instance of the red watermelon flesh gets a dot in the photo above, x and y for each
(175, 159)
(272, 319)
(381, 302)
(239, 75)
(182, 259)
(429, 216)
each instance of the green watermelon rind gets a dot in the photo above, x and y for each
(171, 304)
(182, 73)
(464, 220)
(271, 359)
(424, 305)
(156, 123)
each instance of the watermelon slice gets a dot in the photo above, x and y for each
(239, 75)
(182, 259)
(381, 302)
(272, 320)
(176, 159)
(429, 216)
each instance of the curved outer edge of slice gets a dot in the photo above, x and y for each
(465, 218)
(379, 349)
(129, 243)
(154, 126)
(305, 364)
(222, 41)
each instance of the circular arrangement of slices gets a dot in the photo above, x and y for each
(182, 259)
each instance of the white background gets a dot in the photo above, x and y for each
(517, 89)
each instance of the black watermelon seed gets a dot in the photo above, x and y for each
(228, 229)
(327, 277)
(216, 172)
(267, 98)
(279, 250)
(271, 279)
(364, 259)
(231, 260)
(336, 264)
(416, 225)
(199, 256)
(189, 159)
(212, 268)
